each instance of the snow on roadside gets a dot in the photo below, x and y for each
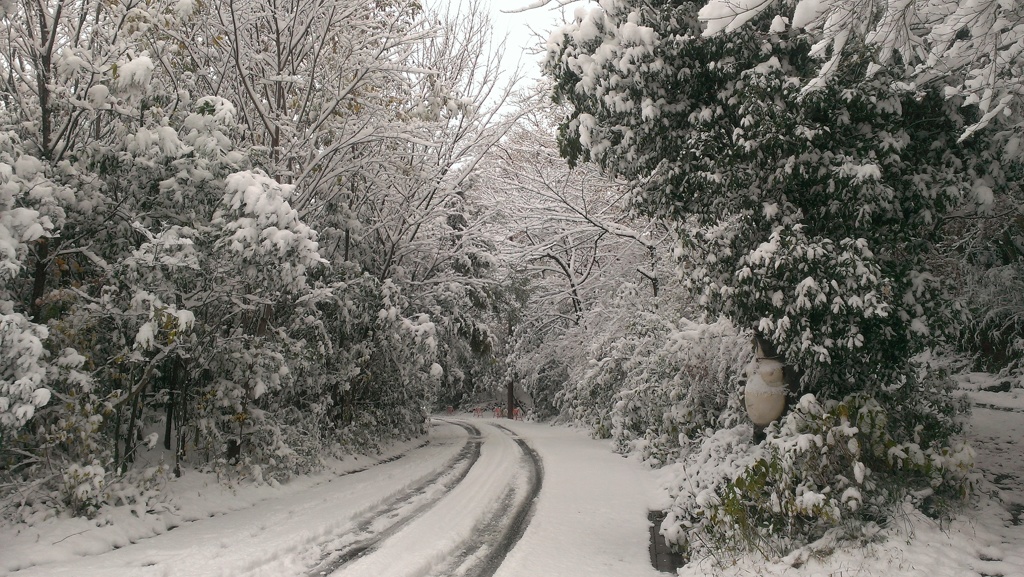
(985, 540)
(197, 506)
(591, 515)
(984, 389)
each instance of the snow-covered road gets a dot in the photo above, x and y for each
(464, 504)
(484, 497)
(446, 538)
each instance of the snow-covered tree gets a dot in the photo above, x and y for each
(984, 254)
(235, 219)
(23, 224)
(808, 217)
(569, 246)
(969, 49)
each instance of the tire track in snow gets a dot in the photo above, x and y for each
(484, 554)
(992, 407)
(390, 459)
(370, 532)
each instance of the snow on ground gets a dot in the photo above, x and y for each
(591, 515)
(987, 389)
(221, 530)
(986, 540)
(429, 541)
(590, 518)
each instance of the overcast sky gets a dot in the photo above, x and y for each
(521, 41)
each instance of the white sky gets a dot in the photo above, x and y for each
(521, 40)
(517, 26)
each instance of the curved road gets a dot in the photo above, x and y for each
(453, 506)
(472, 527)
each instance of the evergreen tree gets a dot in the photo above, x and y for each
(809, 217)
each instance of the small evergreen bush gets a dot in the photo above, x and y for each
(839, 467)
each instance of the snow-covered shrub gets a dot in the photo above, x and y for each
(589, 397)
(62, 447)
(260, 230)
(825, 467)
(29, 209)
(466, 315)
(360, 435)
(542, 375)
(541, 365)
(544, 383)
(995, 298)
(647, 380)
(385, 381)
(231, 410)
(677, 387)
(23, 370)
(622, 335)
(140, 489)
(83, 487)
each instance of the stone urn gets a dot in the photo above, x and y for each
(765, 393)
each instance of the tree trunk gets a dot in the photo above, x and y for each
(179, 451)
(39, 279)
(264, 319)
(130, 435)
(117, 436)
(171, 398)
(511, 400)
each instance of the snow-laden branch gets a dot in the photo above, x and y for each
(535, 4)
(972, 47)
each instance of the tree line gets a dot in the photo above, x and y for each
(236, 229)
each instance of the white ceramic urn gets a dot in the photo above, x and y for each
(765, 393)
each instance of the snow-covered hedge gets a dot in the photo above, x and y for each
(827, 467)
(650, 378)
(995, 297)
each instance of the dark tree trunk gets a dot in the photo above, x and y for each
(131, 435)
(117, 436)
(234, 449)
(39, 279)
(172, 397)
(179, 452)
(511, 400)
